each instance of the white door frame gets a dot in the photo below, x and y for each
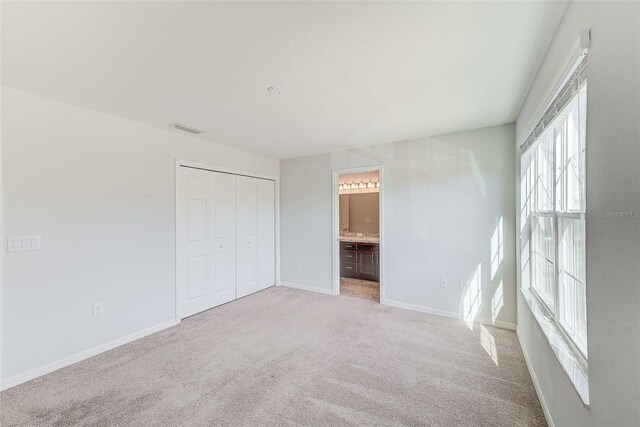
(213, 168)
(335, 224)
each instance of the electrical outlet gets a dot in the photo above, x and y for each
(443, 283)
(98, 309)
(298, 264)
(463, 285)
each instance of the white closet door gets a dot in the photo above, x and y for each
(223, 237)
(246, 235)
(266, 234)
(205, 239)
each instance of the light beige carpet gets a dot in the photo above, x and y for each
(291, 357)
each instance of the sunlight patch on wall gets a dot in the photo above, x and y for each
(497, 248)
(497, 301)
(472, 299)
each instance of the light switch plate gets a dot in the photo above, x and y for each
(23, 243)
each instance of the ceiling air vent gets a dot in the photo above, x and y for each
(186, 128)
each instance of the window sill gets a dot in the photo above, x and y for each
(577, 374)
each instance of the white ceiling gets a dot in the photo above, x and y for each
(353, 73)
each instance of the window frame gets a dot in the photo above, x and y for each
(552, 314)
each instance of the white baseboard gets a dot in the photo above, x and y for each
(70, 360)
(421, 308)
(307, 288)
(449, 314)
(536, 384)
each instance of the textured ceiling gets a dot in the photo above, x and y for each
(353, 74)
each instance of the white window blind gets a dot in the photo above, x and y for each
(573, 82)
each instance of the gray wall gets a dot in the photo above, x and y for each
(613, 244)
(444, 198)
(100, 192)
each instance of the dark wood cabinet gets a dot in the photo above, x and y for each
(360, 261)
(367, 265)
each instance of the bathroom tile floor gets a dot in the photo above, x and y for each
(358, 288)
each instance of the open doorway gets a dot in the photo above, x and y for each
(357, 228)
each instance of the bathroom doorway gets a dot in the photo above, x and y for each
(357, 231)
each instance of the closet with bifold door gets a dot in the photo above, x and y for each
(225, 237)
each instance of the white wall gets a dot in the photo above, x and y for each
(100, 191)
(444, 198)
(613, 244)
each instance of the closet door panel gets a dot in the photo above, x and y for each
(223, 239)
(192, 228)
(266, 234)
(246, 235)
(196, 277)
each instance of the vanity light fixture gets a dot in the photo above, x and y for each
(359, 185)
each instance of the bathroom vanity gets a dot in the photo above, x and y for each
(360, 258)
